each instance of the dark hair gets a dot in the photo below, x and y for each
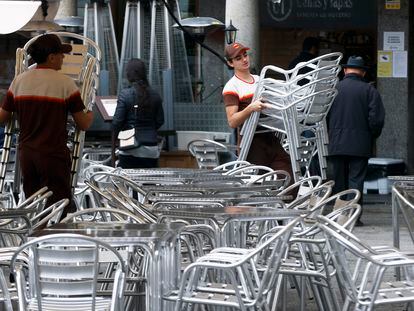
(47, 44)
(310, 42)
(136, 73)
(39, 56)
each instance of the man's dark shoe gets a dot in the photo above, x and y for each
(359, 223)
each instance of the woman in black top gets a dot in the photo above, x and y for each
(139, 106)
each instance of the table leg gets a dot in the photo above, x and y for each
(395, 228)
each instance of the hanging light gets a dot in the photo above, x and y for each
(15, 14)
(43, 20)
(230, 33)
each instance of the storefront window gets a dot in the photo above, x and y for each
(187, 8)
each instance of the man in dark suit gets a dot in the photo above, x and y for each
(310, 50)
(355, 120)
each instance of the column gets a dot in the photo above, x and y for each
(396, 140)
(245, 17)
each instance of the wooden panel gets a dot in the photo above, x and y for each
(79, 49)
(71, 70)
(179, 159)
(73, 59)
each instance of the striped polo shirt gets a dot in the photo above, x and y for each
(239, 92)
(42, 98)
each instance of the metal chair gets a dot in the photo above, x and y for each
(309, 264)
(343, 198)
(302, 186)
(206, 152)
(50, 215)
(82, 195)
(233, 277)
(82, 64)
(115, 190)
(278, 176)
(63, 274)
(364, 282)
(297, 102)
(230, 165)
(102, 214)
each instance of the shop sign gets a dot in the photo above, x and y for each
(392, 4)
(318, 14)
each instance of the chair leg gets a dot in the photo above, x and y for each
(274, 298)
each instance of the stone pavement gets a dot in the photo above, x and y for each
(377, 230)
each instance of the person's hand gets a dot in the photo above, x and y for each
(258, 105)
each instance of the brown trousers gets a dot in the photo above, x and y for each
(267, 150)
(53, 171)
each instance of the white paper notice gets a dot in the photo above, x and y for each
(110, 106)
(399, 68)
(393, 41)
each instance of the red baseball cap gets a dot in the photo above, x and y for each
(234, 49)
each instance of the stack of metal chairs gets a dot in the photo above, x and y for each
(299, 101)
(83, 65)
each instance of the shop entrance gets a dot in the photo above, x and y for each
(348, 26)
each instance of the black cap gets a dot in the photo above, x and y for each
(47, 44)
(355, 62)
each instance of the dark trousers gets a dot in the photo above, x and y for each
(266, 150)
(53, 171)
(128, 161)
(349, 173)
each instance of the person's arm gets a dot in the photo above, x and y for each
(235, 118)
(376, 113)
(83, 120)
(7, 108)
(5, 116)
(76, 107)
(120, 117)
(159, 114)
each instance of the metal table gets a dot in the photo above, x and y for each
(402, 195)
(189, 200)
(186, 179)
(214, 189)
(231, 223)
(161, 241)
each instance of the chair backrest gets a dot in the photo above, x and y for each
(272, 178)
(36, 203)
(312, 201)
(14, 229)
(206, 152)
(120, 191)
(67, 266)
(342, 246)
(50, 215)
(303, 186)
(345, 216)
(270, 254)
(35, 196)
(358, 245)
(91, 167)
(230, 165)
(251, 170)
(102, 214)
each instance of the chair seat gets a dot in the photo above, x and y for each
(399, 291)
(73, 304)
(213, 297)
